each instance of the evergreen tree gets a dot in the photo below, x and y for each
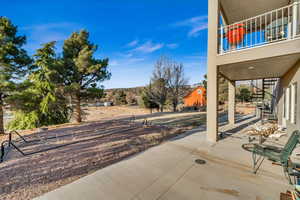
(244, 95)
(204, 81)
(13, 61)
(81, 70)
(42, 102)
(120, 98)
(146, 101)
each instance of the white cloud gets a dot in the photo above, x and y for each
(196, 24)
(43, 33)
(132, 43)
(120, 61)
(148, 47)
(47, 26)
(172, 45)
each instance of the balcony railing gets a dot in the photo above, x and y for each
(277, 25)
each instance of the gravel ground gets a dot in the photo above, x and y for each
(67, 152)
(60, 156)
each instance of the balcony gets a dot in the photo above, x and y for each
(281, 24)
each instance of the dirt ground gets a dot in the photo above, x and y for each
(60, 156)
(64, 153)
(94, 114)
(245, 108)
(98, 113)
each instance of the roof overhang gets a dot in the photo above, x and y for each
(238, 10)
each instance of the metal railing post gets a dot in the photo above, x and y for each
(294, 19)
(2, 152)
(269, 27)
(221, 43)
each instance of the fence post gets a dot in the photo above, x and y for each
(9, 139)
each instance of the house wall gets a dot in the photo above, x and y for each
(291, 77)
(196, 98)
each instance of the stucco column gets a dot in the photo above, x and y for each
(231, 102)
(212, 71)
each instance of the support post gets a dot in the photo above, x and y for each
(231, 102)
(212, 71)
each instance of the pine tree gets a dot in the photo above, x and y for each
(14, 61)
(42, 103)
(81, 70)
(146, 101)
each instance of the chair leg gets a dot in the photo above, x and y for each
(257, 162)
(287, 171)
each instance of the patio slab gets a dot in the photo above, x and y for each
(169, 172)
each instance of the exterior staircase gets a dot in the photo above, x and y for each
(265, 97)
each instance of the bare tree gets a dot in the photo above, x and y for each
(158, 90)
(176, 83)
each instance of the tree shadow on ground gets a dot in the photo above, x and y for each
(70, 153)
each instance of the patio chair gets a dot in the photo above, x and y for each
(275, 154)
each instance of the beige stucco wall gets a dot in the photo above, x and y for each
(212, 71)
(292, 76)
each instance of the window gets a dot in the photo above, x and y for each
(290, 103)
(293, 103)
(294, 113)
(284, 103)
(287, 104)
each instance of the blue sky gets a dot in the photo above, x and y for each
(131, 33)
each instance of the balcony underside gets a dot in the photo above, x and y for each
(237, 10)
(272, 67)
(269, 61)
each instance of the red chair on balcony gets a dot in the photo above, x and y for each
(235, 35)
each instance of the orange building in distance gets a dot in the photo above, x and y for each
(197, 97)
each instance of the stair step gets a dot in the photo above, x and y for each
(268, 114)
(270, 79)
(268, 84)
(257, 96)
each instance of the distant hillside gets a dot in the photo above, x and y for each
(121, 96)
(134, 89)
(124, 96)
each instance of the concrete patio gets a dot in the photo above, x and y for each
(169, 171)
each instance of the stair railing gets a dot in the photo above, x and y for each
(10, 143)
(273, 95)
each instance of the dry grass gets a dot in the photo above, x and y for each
(97, 113)
(87, 148)
(106, 137)
(94, 114)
